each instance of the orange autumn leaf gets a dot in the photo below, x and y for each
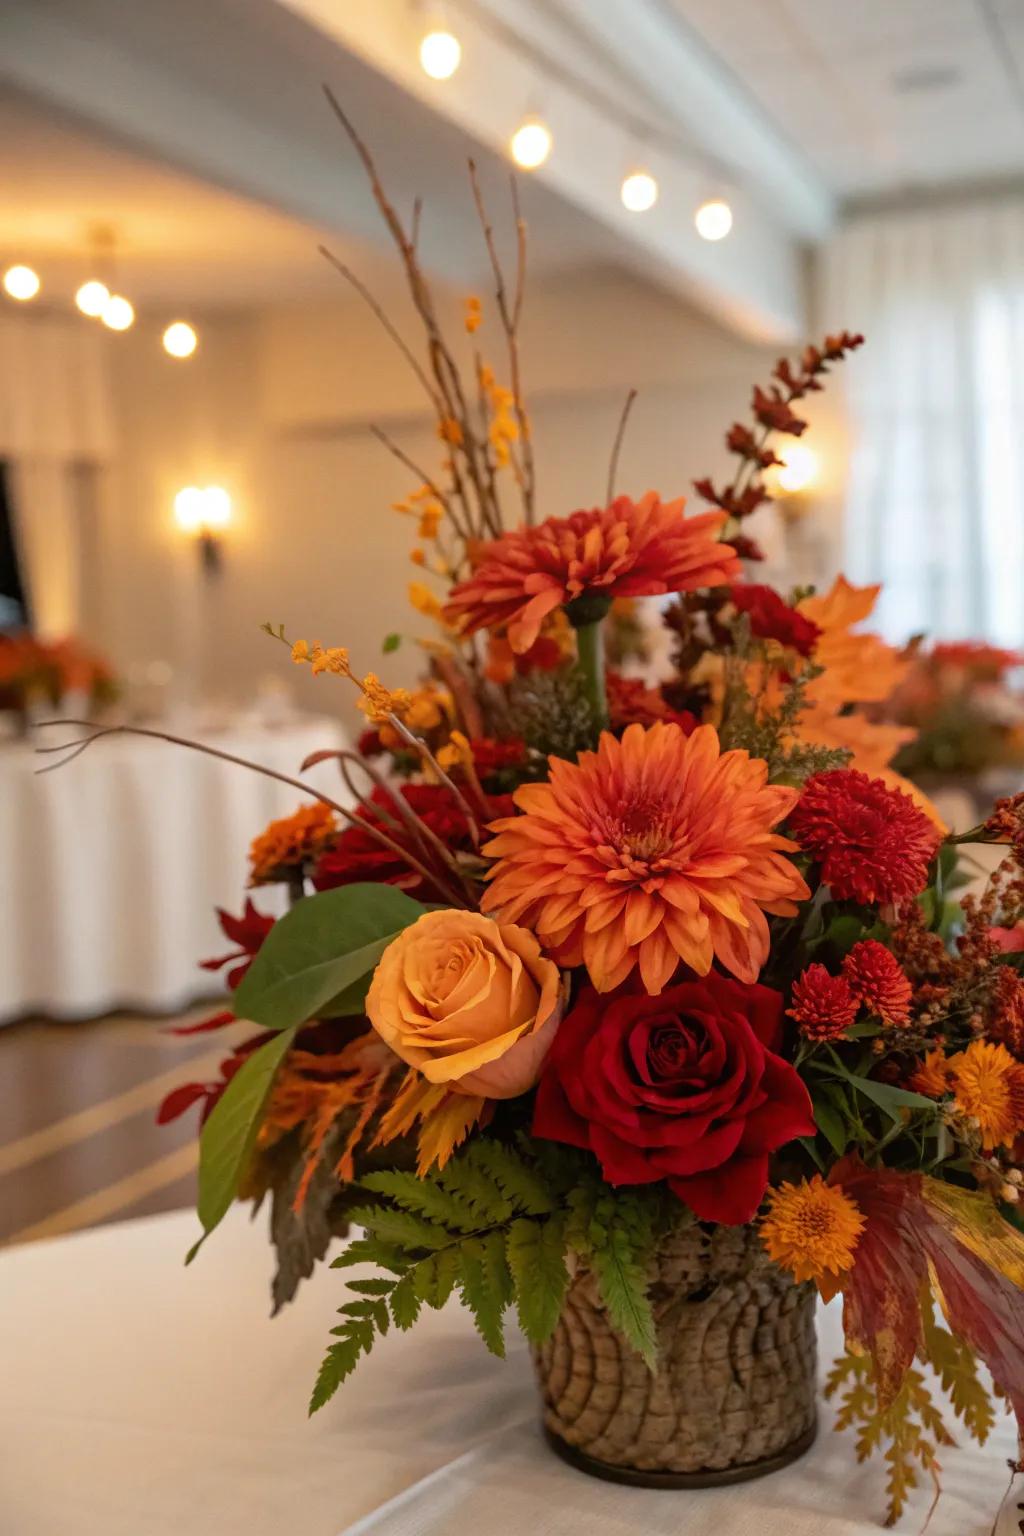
(445, 1118)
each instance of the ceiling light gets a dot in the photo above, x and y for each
(92, 298)
(21, 283)
(440, 54)
(713, 219)
(118, 314)
(799, 467)
(180, 340)
(639, 191)
(531, 144)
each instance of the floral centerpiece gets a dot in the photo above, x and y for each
(961, 710)
(45, 672)
(639, 1010)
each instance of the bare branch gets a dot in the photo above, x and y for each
(365, 294)
(613, 466)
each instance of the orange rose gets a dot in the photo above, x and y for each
(467, 1001)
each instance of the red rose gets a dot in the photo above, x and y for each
(685, 1087)
(773, 619)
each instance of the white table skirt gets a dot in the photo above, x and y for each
(111, 867)
(138, 1398)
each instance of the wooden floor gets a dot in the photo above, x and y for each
(79, 1143)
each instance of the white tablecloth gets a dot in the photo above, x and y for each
(111, 867)
(138, 1398)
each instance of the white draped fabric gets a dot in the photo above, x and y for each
(140, 1398)
(111, 867)
(935, 501)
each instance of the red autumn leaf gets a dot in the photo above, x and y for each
(205, 1026)
(917, 1227)
(179, 1100)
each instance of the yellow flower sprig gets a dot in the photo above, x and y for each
(380, 704)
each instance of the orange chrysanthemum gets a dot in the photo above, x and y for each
(988, 1085)
(812, 1229)
(286, 847)
(629, 549)
(931, 1076)
(655, 849)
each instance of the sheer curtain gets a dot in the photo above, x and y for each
(935, 494)
(55, 417)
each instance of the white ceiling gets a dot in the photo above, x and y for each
(196, 128)
(881, 96)
(178, 240)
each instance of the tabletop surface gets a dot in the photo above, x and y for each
(140, 1398)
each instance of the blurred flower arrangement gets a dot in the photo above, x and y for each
(585, 962)
(34, 671)
(962, 711)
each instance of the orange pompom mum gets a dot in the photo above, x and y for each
(988, 1085)
(812, 1229)
(285, 847)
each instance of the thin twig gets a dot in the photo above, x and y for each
(368, 298)
(509, 320)
(613, 466)
(75, 749)
(431, 484)
(414, 232)
(442, 362)
(416, 825)
(429, 758)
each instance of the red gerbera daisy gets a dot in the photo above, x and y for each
(873, 844)
(823, 1005)
(878, 980)
(629, 549)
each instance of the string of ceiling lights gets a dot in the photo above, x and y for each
(97, 299)
(532, 142)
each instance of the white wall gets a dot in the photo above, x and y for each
(276, 407)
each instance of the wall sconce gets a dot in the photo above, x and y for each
(204, 512)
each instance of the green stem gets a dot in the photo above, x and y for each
(590, 651)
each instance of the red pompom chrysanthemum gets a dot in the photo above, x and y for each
(823, 1005)
(771, 618)
(878, 980)
(872, 842)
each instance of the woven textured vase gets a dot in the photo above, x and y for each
(734, 1395)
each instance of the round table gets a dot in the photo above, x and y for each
(112, 866)
(139, 1398)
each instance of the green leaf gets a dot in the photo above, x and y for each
(830, 1122)
(892, 1100)
(371, 1287)
(229, 1135)
(536, 1257)
(315, 957)
(424, 1197)
(469, 1182)
(339, 1362)
(400, 1227)
(434, 1279)
(521, 1184)
(622, 1280)
(405, 1304)
(479, 1295)
(391, 643)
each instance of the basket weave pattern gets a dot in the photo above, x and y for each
(737, 1363)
